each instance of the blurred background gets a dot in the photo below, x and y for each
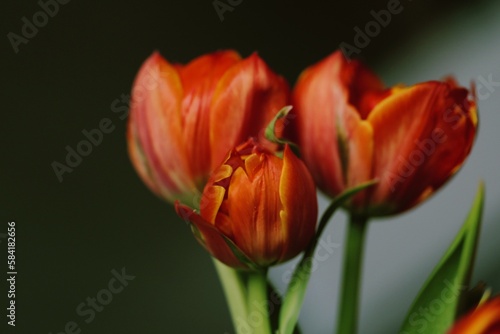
(72, 234)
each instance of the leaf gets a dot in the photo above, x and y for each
(271, 135)
(295, 294)
(443, 297)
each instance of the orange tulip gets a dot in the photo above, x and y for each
(483, 320)
(351, 129)
(257, 209)
(185, 118)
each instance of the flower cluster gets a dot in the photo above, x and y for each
(187, 140)
(216, 138)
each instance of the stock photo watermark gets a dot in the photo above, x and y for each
(424, 150)
(426, 315)
(486, 86)
(30, 26)
(11, 273)
(223, 6)
(326, 248)
(94, 137)
(87, 309)
(371, 29)
(425, 147)
(74, 156)
(247, 325)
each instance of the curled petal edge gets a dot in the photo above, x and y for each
(215, 242)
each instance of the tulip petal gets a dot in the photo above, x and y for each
(363, 87)
(155, 124)
(452, 138)
(199, 79)
(253, 206)
(245, 100)
(210, 238)
(320, 102)
(253, 163)
(139, 160)
(422, 134)
(360, 157)
(213, 195)
(299, 213)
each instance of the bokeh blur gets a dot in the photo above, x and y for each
(75, 67)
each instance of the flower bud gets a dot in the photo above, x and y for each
(257, 209)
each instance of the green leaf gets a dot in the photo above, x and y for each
(271, 135)
(443, 297)
(295, 294)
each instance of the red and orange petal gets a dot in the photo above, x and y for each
(199, 80)
(332, 100)
(450, 152)
(363, 87)
(245, 100)
(211, 200)
(316, 101)
(408, 172)
(210, 237)
(155, 124)
(484, 320)
(360, 148)
(253, 208)
(299, 213)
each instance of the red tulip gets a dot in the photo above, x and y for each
(483, 320)
(351, 129)
(256, 207)
(185, 118)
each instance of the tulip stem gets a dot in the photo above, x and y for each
(258, 313)
(235, 292)
(353, 260)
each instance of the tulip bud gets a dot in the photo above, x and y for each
(351, 129)
(185, 118)
(257, 209)
(483, 320)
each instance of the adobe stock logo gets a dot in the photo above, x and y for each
(29, 29)
(372, 29)
(222, 6)
(95, 136)
(89, 309)
(84, 147)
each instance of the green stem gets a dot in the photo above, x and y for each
(235, 292)
(353, 259)
(258, 314)
(294, 297)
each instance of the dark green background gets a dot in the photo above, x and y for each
(70, 235)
